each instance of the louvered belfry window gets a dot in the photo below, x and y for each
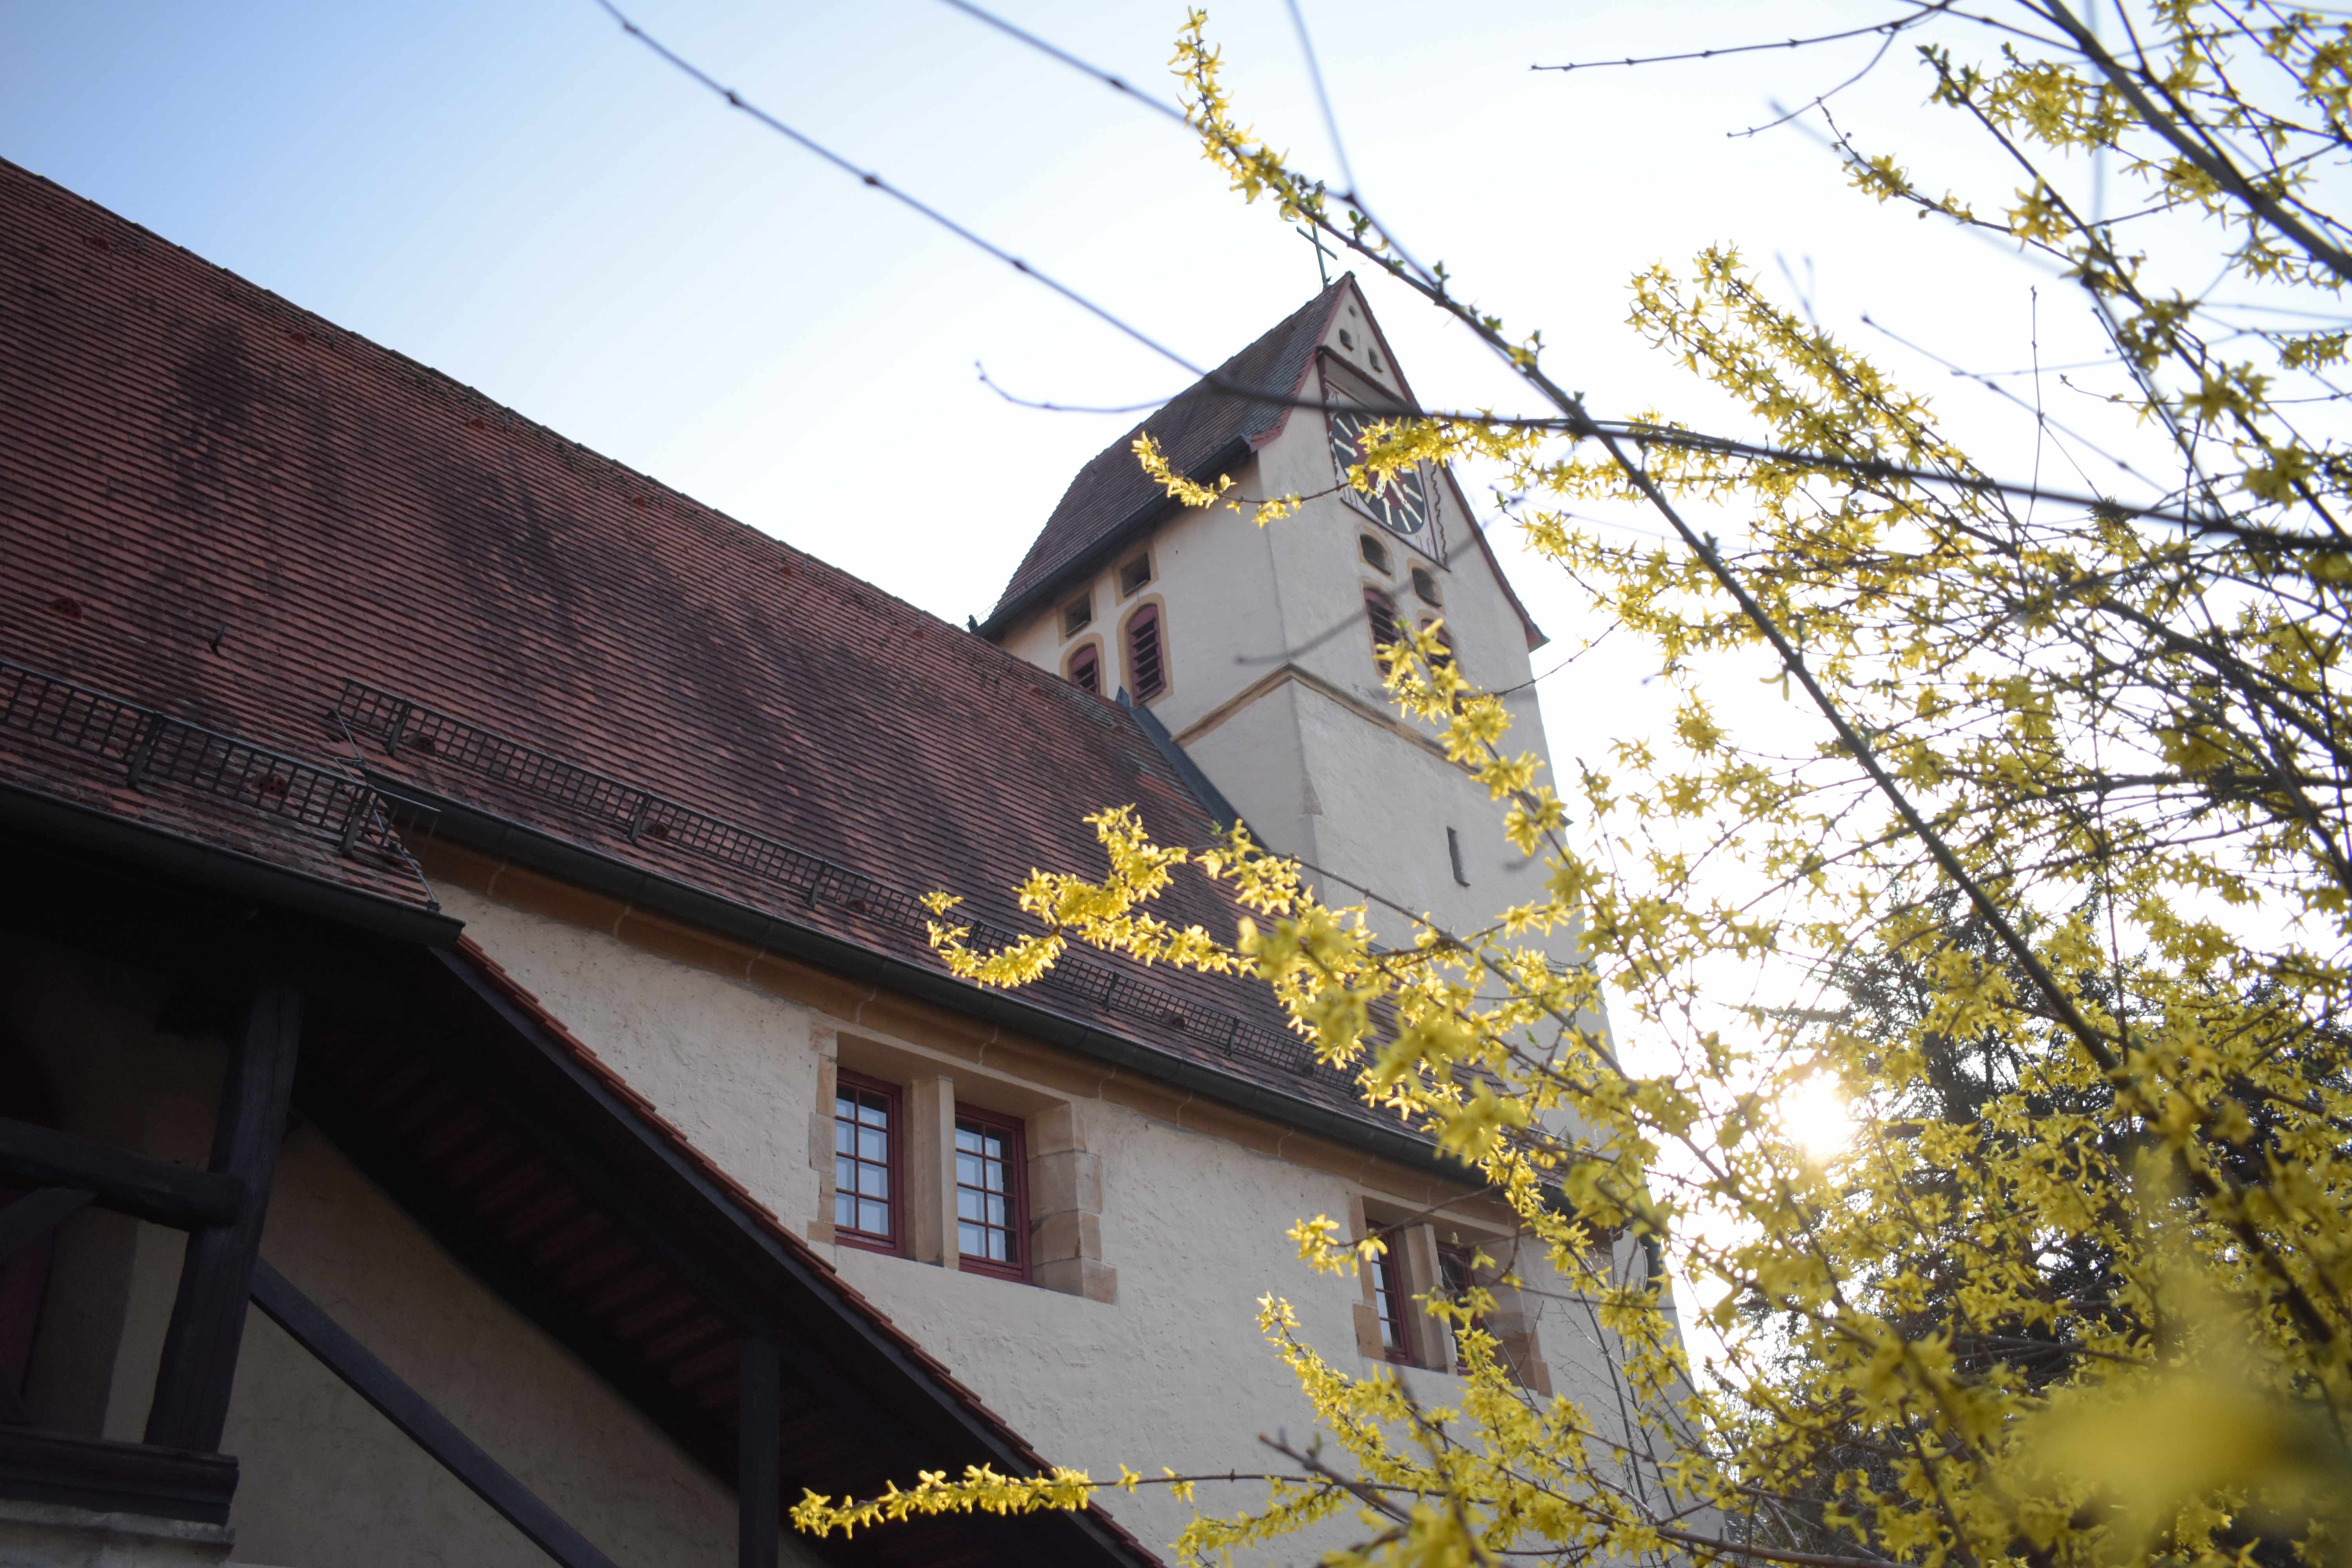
(1147, 660)
(1086, 670)
(1444, 656)
(1381, 613)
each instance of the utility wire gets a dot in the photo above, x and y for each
(1577, 424)
(1116, 83)
(874, 181)
(1315, 75)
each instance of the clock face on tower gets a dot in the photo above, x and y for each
(1400, 504)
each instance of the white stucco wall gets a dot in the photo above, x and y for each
(1172, 1373)
(1321, 765)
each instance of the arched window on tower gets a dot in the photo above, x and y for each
(1083, 670)
(1147, 654)
(1379, 610)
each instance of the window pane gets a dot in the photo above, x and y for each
(1000, 1246)
(874, 1180)
(995, 1209)
(995, 1182)
(967, 1139)
(845, 1138)
(874, 1145)
(873, 1111)
(844, 1172)
(872, 1218)
(971, 1238)
(845, 1210)
(843, 1105)
(968, 1204)
(968, 1169)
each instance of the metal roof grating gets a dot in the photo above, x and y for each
(654, 823)
(153, 748)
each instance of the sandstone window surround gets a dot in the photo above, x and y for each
(1417, 1264)
(1053, 1202)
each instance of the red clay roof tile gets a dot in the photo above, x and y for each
(185, 455)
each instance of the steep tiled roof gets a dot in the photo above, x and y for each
(1200, 429)
(247, 509)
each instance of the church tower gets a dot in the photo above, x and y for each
(1254, 647)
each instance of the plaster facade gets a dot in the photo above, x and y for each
(53, 1535)
(1195, 1199)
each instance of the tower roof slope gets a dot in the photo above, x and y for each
(1199, 430)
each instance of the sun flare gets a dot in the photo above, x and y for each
(1816, 1116)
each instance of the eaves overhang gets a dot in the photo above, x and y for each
(550, 854)
(70, 825)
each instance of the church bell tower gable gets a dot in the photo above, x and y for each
(1267, 677)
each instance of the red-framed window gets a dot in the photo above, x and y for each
(867, 1163)
(1379, 610)
(1389, 1301)
(1086, 670)
(1147, 657)
(992, 1194)
(1458, 1278)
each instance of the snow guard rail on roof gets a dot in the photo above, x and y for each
(653, 823)
(152, 747)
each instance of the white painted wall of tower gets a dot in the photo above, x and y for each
(1276, 692)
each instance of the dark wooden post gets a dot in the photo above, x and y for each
(758, 1479)
(208, 1320)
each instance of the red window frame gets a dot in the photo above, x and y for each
(1084, 671)
(1389, 1306)
(1147, 654)
(894, 1163)
(1015, 1193)
(1458, 1278)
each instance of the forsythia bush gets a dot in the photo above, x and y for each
(2075, 817)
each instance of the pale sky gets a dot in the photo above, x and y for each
(519, 195)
